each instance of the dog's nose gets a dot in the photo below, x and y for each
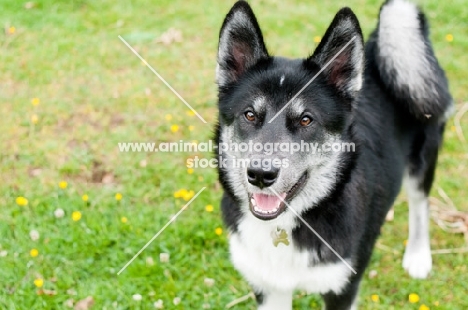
(262, 178)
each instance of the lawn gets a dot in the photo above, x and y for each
(75, 210)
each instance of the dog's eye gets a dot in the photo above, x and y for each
(250, 116)
(305, 121)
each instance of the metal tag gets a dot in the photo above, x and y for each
(279, 236)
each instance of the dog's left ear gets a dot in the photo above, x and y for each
(240, 44)
(341, 53)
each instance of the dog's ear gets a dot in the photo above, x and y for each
(341, 54)
(240, 44)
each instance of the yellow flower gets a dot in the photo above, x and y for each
(184, 194)
(436, 303)
(200, 178)
(35, 101)
(85, 198)
(180, 193)
(218, 231)
(188, 195)
(174, 128)
(453, 128)
(34, 119)
(11, 30)
(76, 216)
(190, 170)
(191, 128)
(21, 201)
(317, 39)
(118, 196)
(34, 252)
(38, 282)
(449, 37)
(413, 298)
(190, 113)
(209, 208)
(424, 307)
(63, 184)
(168, 117)
(405, 242)
(124, 219)
(375, 298)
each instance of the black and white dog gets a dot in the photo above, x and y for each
(309, 219)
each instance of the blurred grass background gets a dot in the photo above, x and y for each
(70, 90)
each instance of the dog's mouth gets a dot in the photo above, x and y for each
(268, 207)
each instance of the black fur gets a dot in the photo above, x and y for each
(343, 29)
(384, 121)
(243, 46)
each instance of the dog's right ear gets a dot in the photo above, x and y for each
(240, 44)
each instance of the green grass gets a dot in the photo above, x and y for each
(95, 93)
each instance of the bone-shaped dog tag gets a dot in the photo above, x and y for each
(279, 236)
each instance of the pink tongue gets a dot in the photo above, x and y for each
(267, 202)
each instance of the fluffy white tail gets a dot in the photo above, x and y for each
(407, 64)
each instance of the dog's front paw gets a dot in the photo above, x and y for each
(418, 262)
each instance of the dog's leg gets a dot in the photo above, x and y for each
(346, 300)
(417, 259)
(420, 175)
(274, 300)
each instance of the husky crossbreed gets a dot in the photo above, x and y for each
(308, 219)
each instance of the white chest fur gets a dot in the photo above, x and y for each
(282, 268)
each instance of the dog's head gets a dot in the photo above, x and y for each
(270, 106)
